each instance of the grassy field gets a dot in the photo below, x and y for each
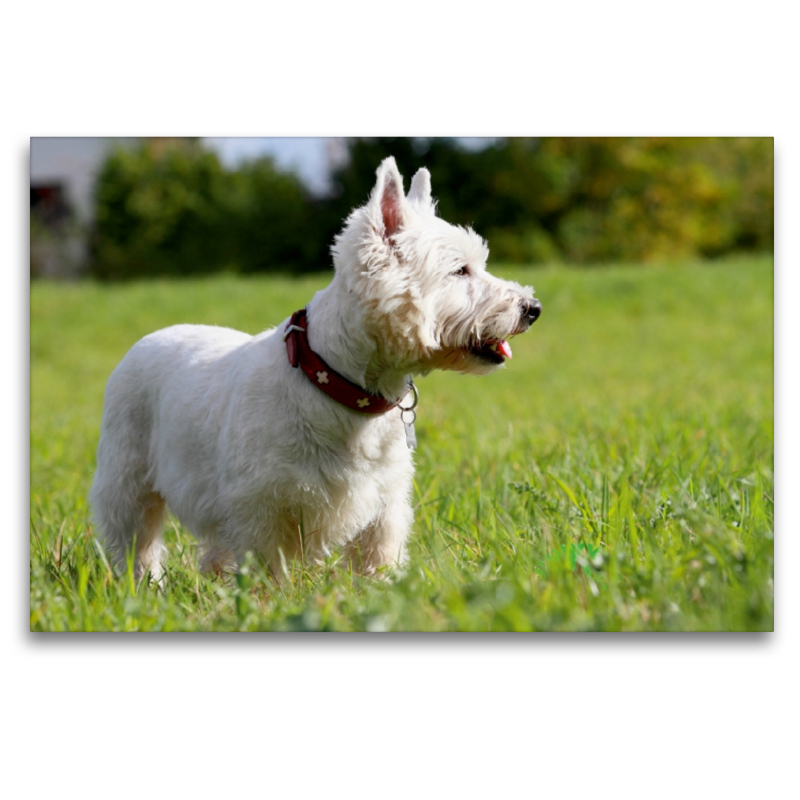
(616, 476)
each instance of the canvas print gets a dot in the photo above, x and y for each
(402, 384)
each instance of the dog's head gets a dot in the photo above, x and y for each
(421, 284)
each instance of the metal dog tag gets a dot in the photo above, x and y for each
(408, 416)
(411, 435)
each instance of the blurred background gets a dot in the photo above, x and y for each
(130, 208)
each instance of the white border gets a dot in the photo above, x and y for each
(658, 716)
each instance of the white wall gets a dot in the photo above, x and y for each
(73, 162)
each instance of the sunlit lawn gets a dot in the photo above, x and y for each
(616, 476)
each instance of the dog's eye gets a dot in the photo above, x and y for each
(462, 271)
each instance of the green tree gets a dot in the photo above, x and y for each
(174, 210)
(589, 200)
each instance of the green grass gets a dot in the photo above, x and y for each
(617, 476)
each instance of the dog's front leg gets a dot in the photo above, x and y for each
(383, 542)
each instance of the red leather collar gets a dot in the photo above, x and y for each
(323, 377)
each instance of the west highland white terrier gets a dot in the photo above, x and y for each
(299, 440)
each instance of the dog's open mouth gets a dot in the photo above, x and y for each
(496, 351)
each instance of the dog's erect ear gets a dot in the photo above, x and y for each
(420, 192)
(388, 198)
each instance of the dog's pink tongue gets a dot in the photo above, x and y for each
(504, 348)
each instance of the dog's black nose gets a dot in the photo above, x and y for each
(532, 310)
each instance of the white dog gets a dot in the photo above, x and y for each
(291, 443)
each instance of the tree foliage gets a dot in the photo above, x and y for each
(589, 200)
(176, 211)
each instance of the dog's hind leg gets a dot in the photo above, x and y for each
(131, 524)
(149, 543)
(128, 514)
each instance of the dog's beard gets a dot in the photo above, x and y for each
(476, 353)
(460, 359)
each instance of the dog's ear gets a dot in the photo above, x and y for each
(420, 192)
(388, 200)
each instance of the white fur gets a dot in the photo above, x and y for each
(247, 453)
